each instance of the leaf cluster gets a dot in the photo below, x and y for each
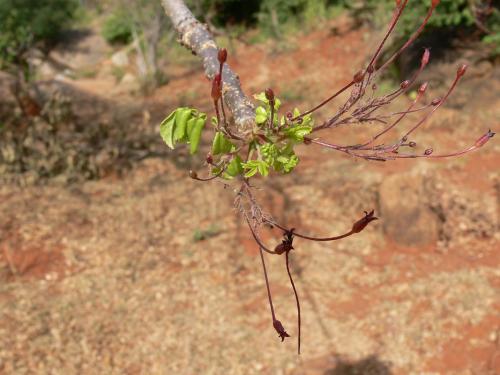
(183, 125)
(272, 147)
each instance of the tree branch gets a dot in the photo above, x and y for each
(195, 36)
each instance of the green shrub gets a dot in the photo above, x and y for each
(25, 23)
(117, 28)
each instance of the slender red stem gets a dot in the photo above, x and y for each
(410, 40)
(320, 239)
(296, 299)
(324, 101)
(267, 284)
(441, 102)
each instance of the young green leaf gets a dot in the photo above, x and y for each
(234, 168)
(167, 129)
(298, 132)
(254, 166)
(221, 145)
(181, 119)
(195, 136)
(190, 126)
(260, 115)
(261, 97)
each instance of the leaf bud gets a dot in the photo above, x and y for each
(370, 69)
(428, 151)
(412, 144)
(269, 94)
(222, 55)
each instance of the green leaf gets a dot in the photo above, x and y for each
(190, 126)
(221, 145)
(290, 164)
(195, 136)
(260, 115)
(181, 119)
(263, 169)
(234, 168)
(298, 132)
(277, 104)
(261, 97)
(167, 129)
(251, 172)
(254, 166)
(269, 152)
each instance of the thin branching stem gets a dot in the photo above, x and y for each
(296, 299)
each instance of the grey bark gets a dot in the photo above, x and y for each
(195, 36)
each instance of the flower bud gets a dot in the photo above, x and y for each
(428, 151)
(405, 84)
(222, 55)
(484, 138)
(425, 57)
(461, 70)
(436, 101)
(370, 69)
(358, 77)
(269, 94)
